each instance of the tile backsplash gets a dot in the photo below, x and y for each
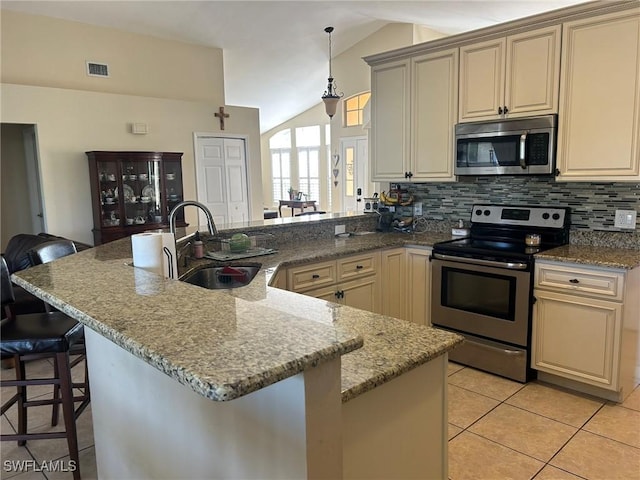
(593, 205)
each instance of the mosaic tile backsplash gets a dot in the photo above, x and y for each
(593, 205)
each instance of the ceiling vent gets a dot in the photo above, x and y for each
(95, 69)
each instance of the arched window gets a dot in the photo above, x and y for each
(353, 109)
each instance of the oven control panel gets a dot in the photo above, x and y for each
(547, 217)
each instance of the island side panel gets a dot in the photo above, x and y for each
(399, 429)
(147, 425)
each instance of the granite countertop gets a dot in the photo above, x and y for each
(597, 256)
(228, 343)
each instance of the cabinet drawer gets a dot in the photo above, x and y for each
(357, 266)
(592, 282)
(310, 276)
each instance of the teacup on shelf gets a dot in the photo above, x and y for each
(145, 199)
(129, 221)
(133, 177)
(171, 176)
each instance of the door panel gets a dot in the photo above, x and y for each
(222, 179)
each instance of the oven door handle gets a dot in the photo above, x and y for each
(477, 261)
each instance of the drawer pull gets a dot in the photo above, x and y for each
(574, 280)
(359, 267)
(315, 276)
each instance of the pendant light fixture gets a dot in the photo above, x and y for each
(330, 97)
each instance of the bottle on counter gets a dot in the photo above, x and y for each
(198, 246)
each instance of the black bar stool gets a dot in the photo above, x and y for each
(36, 336)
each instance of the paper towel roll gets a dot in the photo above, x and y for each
(147, 251)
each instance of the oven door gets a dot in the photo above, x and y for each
(483, 298)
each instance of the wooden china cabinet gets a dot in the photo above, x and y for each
(133, 191)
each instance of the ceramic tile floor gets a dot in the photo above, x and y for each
(498, 429)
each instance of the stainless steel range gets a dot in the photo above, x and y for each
(482, 285)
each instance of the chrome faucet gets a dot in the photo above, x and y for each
(172, 216)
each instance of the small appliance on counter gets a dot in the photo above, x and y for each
(385, 219)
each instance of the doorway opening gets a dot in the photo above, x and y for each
(355, 173)
(21, 202)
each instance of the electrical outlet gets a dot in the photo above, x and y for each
(625, 219)
(340, 229)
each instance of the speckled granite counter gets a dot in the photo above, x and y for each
(596, 256)
(227, 343)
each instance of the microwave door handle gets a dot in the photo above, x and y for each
(523, 150)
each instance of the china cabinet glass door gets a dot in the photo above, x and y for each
(109, 198)
(141, 192)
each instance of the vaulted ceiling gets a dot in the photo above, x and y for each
(275, 52)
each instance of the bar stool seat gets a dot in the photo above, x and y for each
(37, 336)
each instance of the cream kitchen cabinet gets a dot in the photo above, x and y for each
(393, 282)
(413, 111)
(599, 113)
(511, 76)
(418, 279)
(585, 327)
(390, 117)
(351, 281)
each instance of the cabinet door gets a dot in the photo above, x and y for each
(363, 294)
(533, 72)
(577, 338)
(599, 129)
(325, 293)
(389, 121)
(434, 101)
(419, 285)
(392, 283)
(482, 80)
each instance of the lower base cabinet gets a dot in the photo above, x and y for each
(393, 283)
(351, 281)
(585, 328)
(418, 279)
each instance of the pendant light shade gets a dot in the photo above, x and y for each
(330, 96)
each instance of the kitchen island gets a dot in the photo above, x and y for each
(253, 382)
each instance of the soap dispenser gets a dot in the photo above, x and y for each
(198, 246)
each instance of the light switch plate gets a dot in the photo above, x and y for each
(625, 219)
(340, 229)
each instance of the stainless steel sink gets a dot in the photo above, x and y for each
(225, 276)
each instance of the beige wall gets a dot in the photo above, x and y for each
(45, 51)
(85, 115)
(352, 76)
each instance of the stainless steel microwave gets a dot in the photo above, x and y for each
(522, 146)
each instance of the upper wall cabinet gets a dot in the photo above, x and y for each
(389, 132)
(414, 105)
(599, 124)
(511, 76)
(434, 95)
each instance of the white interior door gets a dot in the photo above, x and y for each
(355, 160)
(221, 178)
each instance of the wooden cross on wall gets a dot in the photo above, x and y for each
(221, 115)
